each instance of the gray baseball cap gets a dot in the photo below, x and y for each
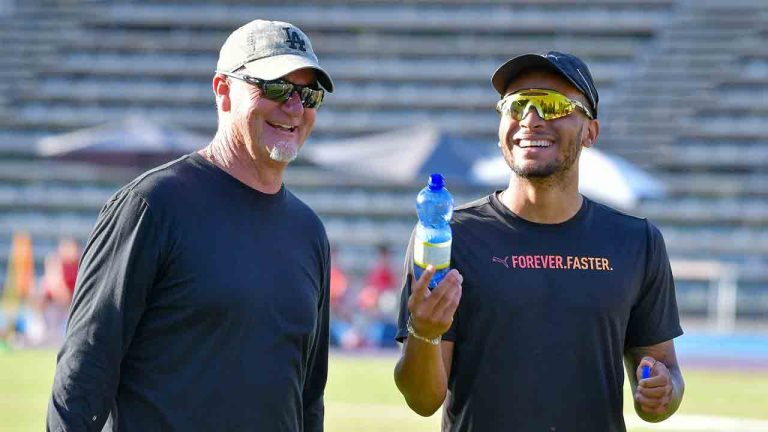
(270, 50)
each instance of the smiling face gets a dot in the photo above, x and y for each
(272, 131)
(538, 149)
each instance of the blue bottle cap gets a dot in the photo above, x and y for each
(436, 181)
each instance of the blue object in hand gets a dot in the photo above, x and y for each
(646, 372)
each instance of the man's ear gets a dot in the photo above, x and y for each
(590, 134)
(221, 90)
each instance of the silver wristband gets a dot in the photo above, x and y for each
(412, 332)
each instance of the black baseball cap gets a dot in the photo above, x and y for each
(567, 65)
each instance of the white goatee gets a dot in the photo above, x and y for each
(284, 151)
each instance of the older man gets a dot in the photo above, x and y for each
(551, 292)
(202, 295)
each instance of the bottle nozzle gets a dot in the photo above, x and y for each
(436, 181)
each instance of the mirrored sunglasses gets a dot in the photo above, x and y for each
(549, 104)
(280, 90)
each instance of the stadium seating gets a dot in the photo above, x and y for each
(683, 85)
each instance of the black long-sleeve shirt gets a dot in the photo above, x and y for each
(201, 305)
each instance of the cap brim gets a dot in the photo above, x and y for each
(275, 67)
(513, 67)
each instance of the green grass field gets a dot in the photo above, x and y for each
(361, 396)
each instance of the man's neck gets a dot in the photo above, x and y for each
(544, 202)
(231, 155)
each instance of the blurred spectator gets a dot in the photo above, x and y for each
(20, 275)
(343, 333)
(381, 279)
(60, 272)
(17, 320)
(363, 311)
(378, 301)
(339, 282)
(58, 287)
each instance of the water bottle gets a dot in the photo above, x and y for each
(432, 243)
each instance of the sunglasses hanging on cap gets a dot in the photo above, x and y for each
(280, 90)
(549, 104)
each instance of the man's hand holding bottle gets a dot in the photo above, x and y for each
(432, 311)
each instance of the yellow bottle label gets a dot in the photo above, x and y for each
(436, 254)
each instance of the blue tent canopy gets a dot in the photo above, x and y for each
(401, 156)
(135, 140)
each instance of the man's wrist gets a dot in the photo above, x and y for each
(412, 332)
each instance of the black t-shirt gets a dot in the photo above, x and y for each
(546, 313)
(201, 305)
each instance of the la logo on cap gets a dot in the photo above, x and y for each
(294, 40)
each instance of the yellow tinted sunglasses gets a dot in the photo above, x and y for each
(548, 103)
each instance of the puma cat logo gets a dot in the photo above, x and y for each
(502, 261)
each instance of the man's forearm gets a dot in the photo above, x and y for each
(81, 396)
(421, 377)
